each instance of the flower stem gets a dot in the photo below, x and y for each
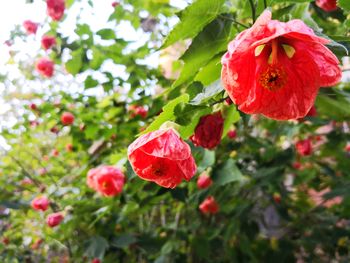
(252, 7)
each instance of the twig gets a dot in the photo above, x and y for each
(252, 7)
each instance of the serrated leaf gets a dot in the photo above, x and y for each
(193, 19)
(211, 41)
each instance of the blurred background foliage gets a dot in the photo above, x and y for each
(260, 183)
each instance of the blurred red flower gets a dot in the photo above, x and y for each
(47, 42)
(232, 134)
(290, 64)
(40, 203)
(327, 5)
(54, 219)
(204, 181)
(208, 131)
(45, 67)
(304, 147)
(30, 27)
(55, 9)
(107, 180)
(162, 157)
(209, 206)
(67, 118)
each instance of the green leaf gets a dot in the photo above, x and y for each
(90, 82)
(231, 116)
(337, 109)
(211, 41)
(74, 65)
(227, 174)
(97, 247)
(211, 72)
(193, 19)
(208, 92)
(345, 4)
(167, 114)
(106, 34)
(207, 160)
(124, 240)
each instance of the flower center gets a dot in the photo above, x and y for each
(273, 79)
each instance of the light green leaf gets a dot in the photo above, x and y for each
(74, 65)
(193, 19)
(231, 116)
(208, 92)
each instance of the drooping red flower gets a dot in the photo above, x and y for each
(30, 27)
(297, 165)
(45, 67)
(277, 198)
(55, 153)
(327, 5)
(67, 118)
(232, 134)
(276, 68)
(48, 42)
(54, 219)
(304, 147)
(55, 9)
(40, 203)
(209, 206)
(162, 157)
(107, 180)
(208, 131)
(204, 181)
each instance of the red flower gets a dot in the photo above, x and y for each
(208, 131)
(55, 9)
(40, 203)
(30, 27)
(37, 244)
(54, 219)
(33, 106)
(204, 181)
(312, 112)
(209, 206)
(297, 165)
(327, 5)
(162, 157)
(304, 147)
(67, 118)
(115, 4)
(107, 180)
(45, 67)
(347, 147)
(47, 42)
(69, 147)
(138, 111)
(54, 129)
(276, 68)
(55, 152)
(277, 198)
(232, 134)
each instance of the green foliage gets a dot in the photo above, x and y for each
(266, 214)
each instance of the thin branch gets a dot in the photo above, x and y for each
(252, 7)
